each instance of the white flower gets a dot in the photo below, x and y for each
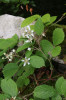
(27, 36)
(26, 61)
(13, 50)
(3, 58)
(29, 40)
(43, 34)
(28, 27)
(4, 53)
(10, 59)
(11, 53)
(23, 34)
(29, 49)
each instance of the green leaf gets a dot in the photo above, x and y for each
(37, 61)
(22, 81)
(58, 36)
(52, 19)
(56, 51)
(9, 87)
(58, 84)
(29, 70)
(63, 88)
(44, 91)
(29, 20)
(8, 43)
(57, 97)
(4, 97)
(46, 46)
(39, 27)
(28, 53)
(24, 46)
(10, 69)
(46, 18)
(39, 53)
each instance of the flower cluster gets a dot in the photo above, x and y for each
(29, 34)
(26, 61)
(9, 56)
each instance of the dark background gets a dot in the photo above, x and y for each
(54, 7)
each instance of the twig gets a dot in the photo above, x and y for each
(25, 97)
(36, 80)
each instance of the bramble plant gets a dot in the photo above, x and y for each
(21, 58)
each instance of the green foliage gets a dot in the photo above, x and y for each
(29, 20)
(57, 97)
(9, 87)
(10, 69)
(37, 61)
(56, 51)
(24, 46)
(22, 81)
(46, 46)
(58, 84)
(58, 36)
(4, 96)
(52, 19)
(44, 91)
(63, 88)
(39, 27)
(46, 18)
(8, 43)
(28, 64)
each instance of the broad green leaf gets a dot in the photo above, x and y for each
(59, 84)
(8, 43)
(9, 87)
(28, 53)
(24, 46)
(39, 53)
(57, 97)
(4, 97)
(44, 91)
(58, 36)
(39, 27)
(22, 81)
(52, 19)
(63, 88)
(10, 69)
(46, 46)
(46, 18)
(29, 20)
(56, 51)
(29, 70)
(37, 61)
(32, 27)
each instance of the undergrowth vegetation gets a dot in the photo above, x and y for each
(26, 69)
